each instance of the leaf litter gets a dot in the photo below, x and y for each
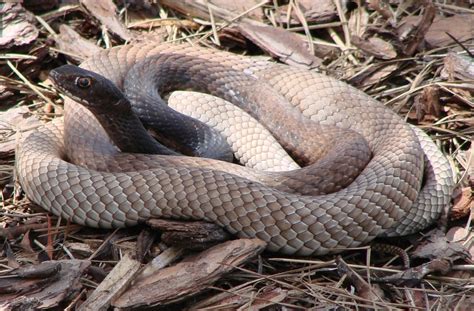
(413, 56)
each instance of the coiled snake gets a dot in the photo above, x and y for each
(324, 207)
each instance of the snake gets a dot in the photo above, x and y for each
(365, 172)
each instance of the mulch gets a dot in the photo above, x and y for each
(416, 57)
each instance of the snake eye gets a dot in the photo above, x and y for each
(83, 82)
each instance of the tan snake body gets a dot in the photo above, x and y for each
(385, 198)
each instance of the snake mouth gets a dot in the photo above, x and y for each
(56, 80)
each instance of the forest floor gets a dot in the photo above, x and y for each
(416, 57)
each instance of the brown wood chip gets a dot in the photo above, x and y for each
(16, 26)
(113, 285)
(191, 276)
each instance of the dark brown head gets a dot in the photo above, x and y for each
(90, 89)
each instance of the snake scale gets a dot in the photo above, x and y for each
(71, 168)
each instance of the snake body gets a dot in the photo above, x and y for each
(107, 188)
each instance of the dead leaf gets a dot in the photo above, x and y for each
(10, 256)
(375, 46)
(458, 234)
(458, 25)
(363, 288)
(241, 6)
(280, 43)
(105, 12)
(463, 203)
(374, 74)
(16, 26)
(458, 67)
(71, 42)
(427, 104)
(12, 123)
(322, 11)
(414, 35)
(437, 246)
(413, 276)
(358, 21)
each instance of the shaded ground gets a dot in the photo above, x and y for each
(413, 57)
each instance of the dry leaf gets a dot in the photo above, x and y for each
(438, 246)
(374, 74)
(71, 42)
(358, 21)
(280, 43)
(458, 67)
(458, 234)
(322, 11)
(375, 46)
(12, 122)
(459, 26)
(427, 104)
(413, 35)
(105, 12)
(463, 203)
(241, 6)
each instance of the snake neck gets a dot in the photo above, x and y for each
(176, 130)
(128, 133)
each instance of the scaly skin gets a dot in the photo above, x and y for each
(385, 198)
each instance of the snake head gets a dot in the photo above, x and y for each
(95, 92)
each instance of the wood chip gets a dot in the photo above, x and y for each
(191, 276)
(54, 282)
(113, 285)
(373, 74)
(419, 33)
(197, 235)
(16, 26)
